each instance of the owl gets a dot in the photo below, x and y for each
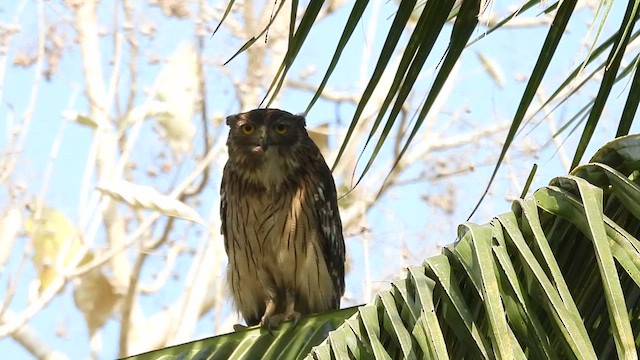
(280, 221)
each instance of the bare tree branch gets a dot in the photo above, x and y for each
(17, 141)
(32, 342)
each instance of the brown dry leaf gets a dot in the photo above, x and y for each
(492, 68)
(146, 197)
(320, 136)
(72, 115)
(177, 97)
(55, 242)
(176, 100)
(23, 59)
(148, 29)
(176, 8)
(96, 297)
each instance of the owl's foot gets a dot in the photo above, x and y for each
(275, 320)
(270, 322)
(293, 315)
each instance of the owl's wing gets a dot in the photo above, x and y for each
(223, 209)
(326, 208)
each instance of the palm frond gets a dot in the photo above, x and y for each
(557, 277)
(613, 62)
(286, 342)
(555, 34)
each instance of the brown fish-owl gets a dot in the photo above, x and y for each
(280, 220)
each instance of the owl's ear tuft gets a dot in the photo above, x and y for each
(232, 119)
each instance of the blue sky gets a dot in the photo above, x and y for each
(400, 221)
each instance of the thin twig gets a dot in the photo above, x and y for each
(127, 305)
(34, 344)
(17, 144)
(164, 274)
(129, 28)
(4, 53)
(13, 284)
(28, 313)
(53, 153)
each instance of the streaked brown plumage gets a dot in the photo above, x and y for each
(280, 220)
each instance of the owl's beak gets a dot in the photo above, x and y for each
(264, 141)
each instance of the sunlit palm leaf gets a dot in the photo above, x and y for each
(295, 44)
(356, 13)
(558, 277)
(611, 70)
(255, 38)
(555, 34)
(465, 24)
(526, 6)
(224, 16)
(423, 39)
(391, 42)
(569, 86)
(581, 115)
(631, 105)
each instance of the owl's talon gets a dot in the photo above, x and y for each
(270, 322)
(275, 321)
(239, 327)
(295, 316)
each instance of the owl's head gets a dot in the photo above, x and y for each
(268, 145)
(257, 132)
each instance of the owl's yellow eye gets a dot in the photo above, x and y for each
(247, 129)
(281, 129)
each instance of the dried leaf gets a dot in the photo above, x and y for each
(55, 242)
(492, 68)
(320, 136)
(73, 115)
(22, 59)
(177, 97)
(175, 8)
(96, 297)
(146, 197)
